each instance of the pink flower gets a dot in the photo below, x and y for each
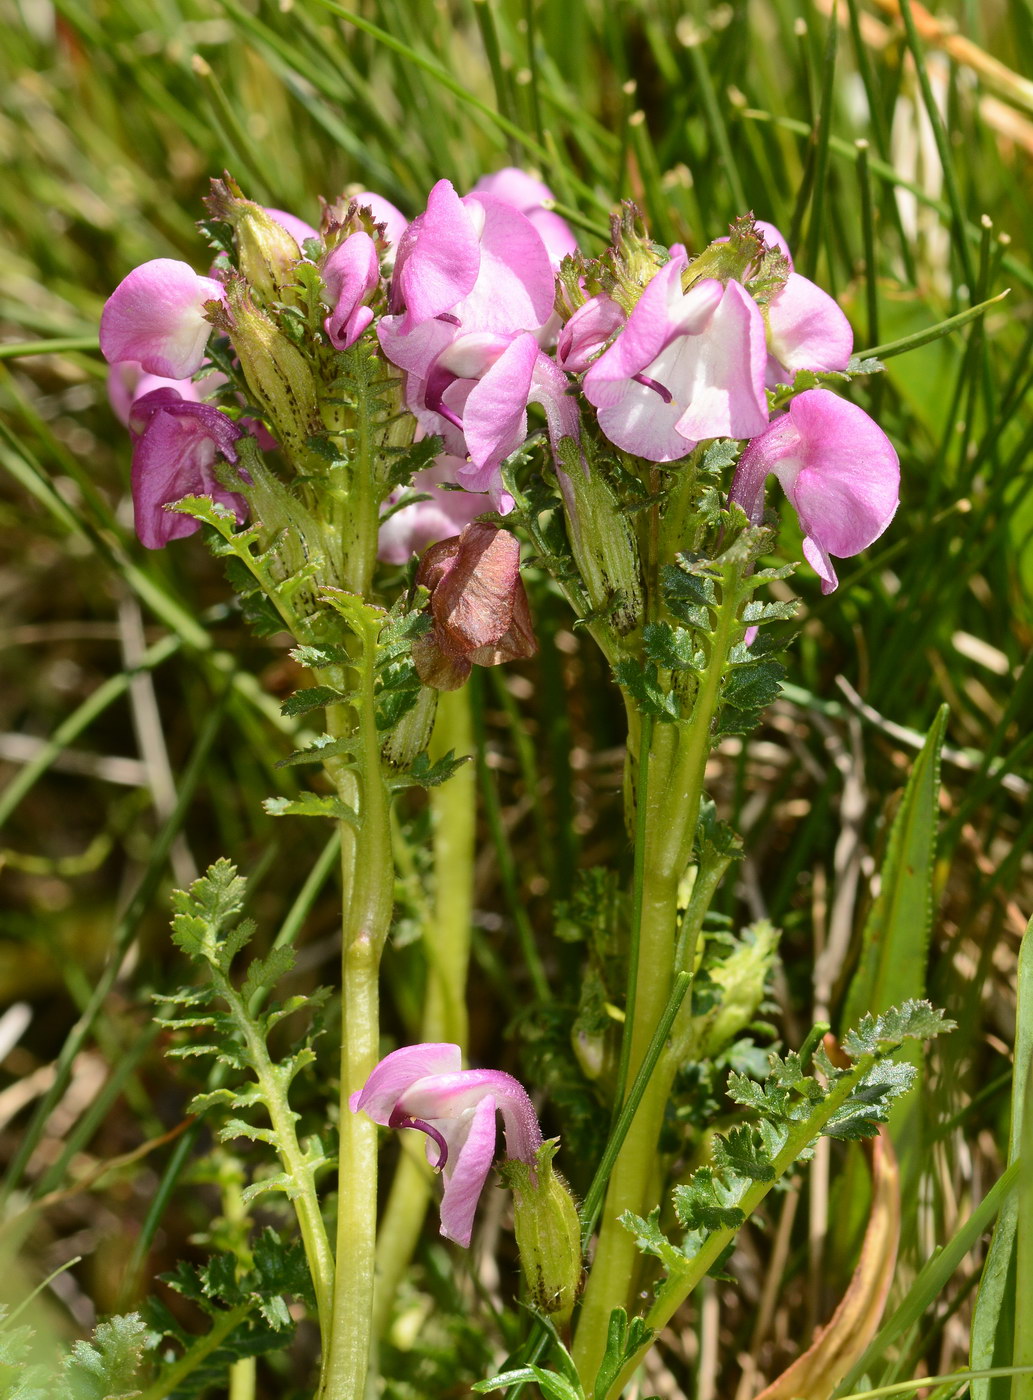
(838, 469)
(464, 265)
(175, 448)
(411, 529)
(687, 366)
(156, 316)
(523, 192)
(587, 331)
(128, 381)
(424, 1087)
(352, 274)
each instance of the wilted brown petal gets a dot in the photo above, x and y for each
(480, 610)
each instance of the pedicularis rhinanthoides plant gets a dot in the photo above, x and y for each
(329, 404)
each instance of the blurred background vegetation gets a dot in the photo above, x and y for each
(139, 722)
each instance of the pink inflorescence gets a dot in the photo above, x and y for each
(484, 306)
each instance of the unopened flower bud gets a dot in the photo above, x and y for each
(276, 371)
(602, 541)
(548, 1233)
(478, 605)
(267, 252)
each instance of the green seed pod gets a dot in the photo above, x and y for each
(548, 1233)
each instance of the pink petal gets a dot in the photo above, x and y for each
(516, 287)
(649, 329)
(807, 329)
(838, 469)
(438, 258)
(351, 274)
(174, 456)
(587, 331)
(466, 1172)
(495, 415)
(156, 316)
(524, 193)
(127, 382)
(396, 1072)
(722, 371)
(410, 530)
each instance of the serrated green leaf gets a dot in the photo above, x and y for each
(915, 1020)
(426, 774)
(316, 697)
(753, 685)
(311, 804)
(326, 746)
(702, 1204)
(742, 1151)
(672, 648)
(650, 1239)
(106, 1368)
(643, 685)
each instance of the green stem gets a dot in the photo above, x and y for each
(454, 813)
(368, 889)
(274, 1083)
(170, 1380)
(677, 766)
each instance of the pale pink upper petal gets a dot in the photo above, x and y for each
(807, 329)
(156, 316)
(522, 191)
(721, 378)
(438, 258)
(516, 287)
(396, 1072)
(466, 1172)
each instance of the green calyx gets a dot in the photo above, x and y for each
(548, 1233)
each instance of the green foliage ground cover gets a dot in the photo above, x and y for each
(140, 732)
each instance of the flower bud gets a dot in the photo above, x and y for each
(411, 734)
(548, 1233)
(276, 371)
(267, 253)
(602, 541)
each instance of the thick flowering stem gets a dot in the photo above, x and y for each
(368, 885)
(677, 764)
(447, 940)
